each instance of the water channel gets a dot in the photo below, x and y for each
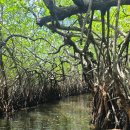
(67, 114)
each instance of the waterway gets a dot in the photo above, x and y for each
(72, 113)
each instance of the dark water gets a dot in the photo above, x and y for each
(68, 114)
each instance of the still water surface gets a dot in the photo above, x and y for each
(67, 114)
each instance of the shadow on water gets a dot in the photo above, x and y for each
(67, 114)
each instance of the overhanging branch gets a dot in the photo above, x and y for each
(64, 12)
(3, 43)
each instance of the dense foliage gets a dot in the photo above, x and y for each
(51, 49)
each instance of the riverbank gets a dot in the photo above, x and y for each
(34, 88)
(71, 113)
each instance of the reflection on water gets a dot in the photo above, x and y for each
(68, 114)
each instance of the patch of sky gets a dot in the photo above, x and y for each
(67, 21)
